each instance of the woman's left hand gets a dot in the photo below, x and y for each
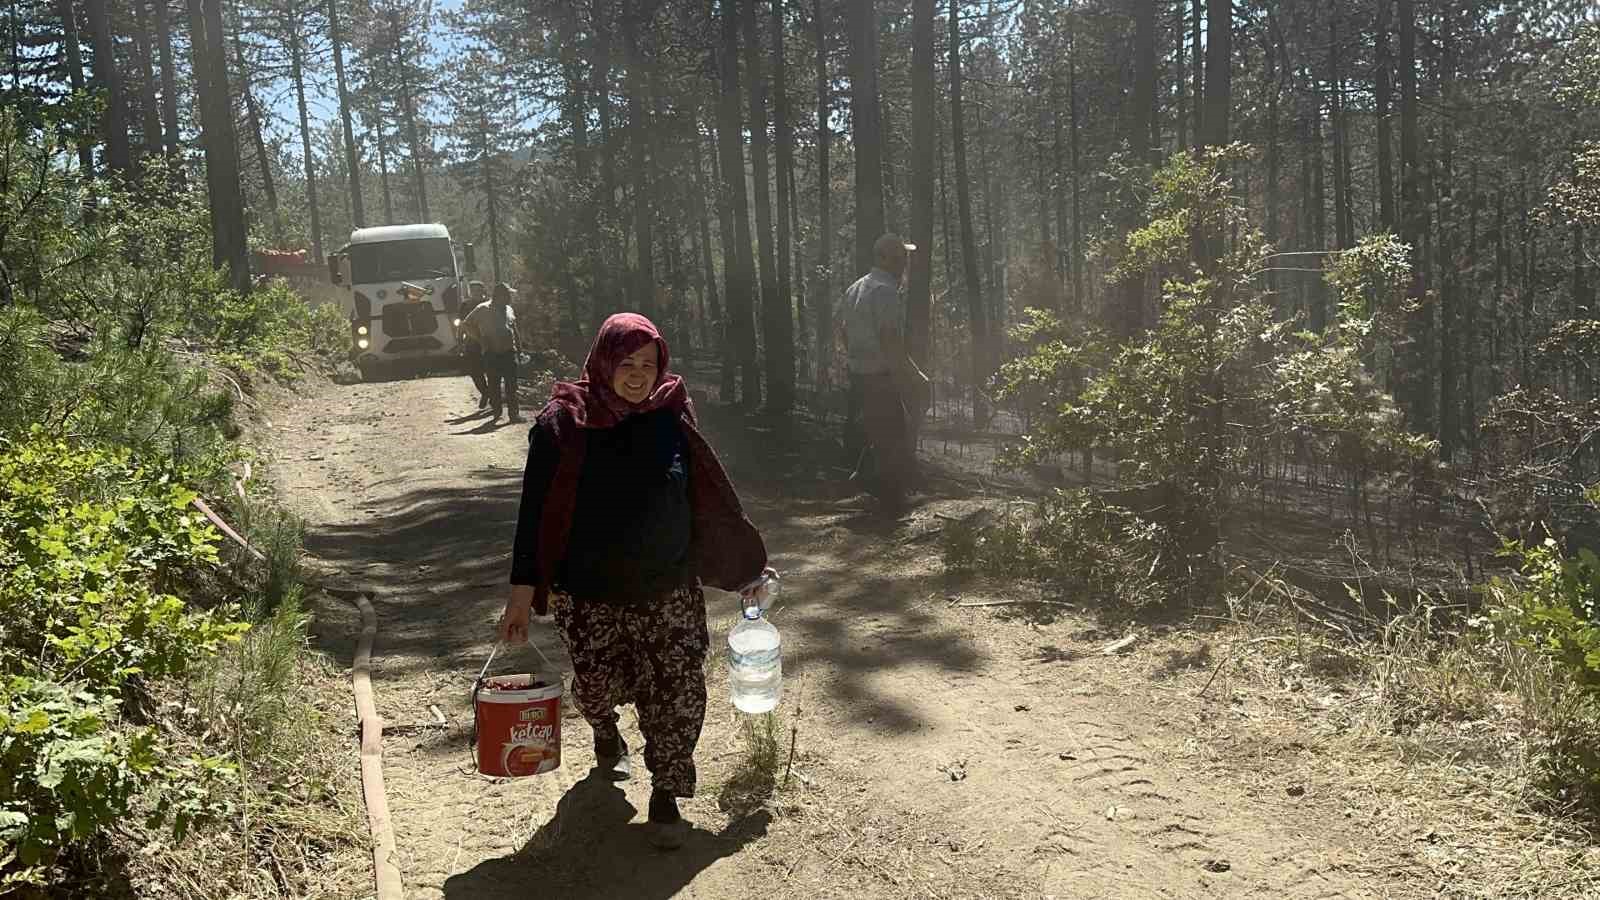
(759, 589)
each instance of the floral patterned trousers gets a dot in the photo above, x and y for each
(652, 655)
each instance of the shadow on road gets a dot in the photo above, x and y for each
(589, 849)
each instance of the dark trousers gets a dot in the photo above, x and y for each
(653, 656)
(501, 371)
(889, 460)
(472, 361)
(855, 437)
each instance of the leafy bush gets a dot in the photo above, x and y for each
(1191, 407)
(1552, 610)
(91, 543)
(1078, 543)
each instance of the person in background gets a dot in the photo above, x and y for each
(471, 350)
(891, 384)
(494, 326)
(626, 512)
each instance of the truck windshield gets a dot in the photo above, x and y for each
(401, 260)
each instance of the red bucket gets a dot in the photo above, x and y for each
(518, 724)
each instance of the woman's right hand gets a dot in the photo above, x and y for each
(519, 608)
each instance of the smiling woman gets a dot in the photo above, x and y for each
(625, 514)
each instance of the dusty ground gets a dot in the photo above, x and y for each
(942, 750)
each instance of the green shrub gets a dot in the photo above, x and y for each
(91, 544)
(1191, 407)
(1081, 545)
(1552, 611)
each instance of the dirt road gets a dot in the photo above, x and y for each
(942, 750)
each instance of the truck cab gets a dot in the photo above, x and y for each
(387, 329)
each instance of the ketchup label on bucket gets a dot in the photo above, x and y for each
(517, 736)
(528, 748)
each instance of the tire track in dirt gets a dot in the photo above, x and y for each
(942, 751)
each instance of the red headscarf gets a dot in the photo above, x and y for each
(590, 399)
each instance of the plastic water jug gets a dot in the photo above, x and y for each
(755, 658)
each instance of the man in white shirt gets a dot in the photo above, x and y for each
(494, 326)
(891, 382)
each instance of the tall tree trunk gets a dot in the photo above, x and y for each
(1197, 11)
(1077, 186)
(1182, 75)
(169, 81)
(732, 265)
(74, 51)
(741, 289)
(780, 338)
(1274, 91)
(772, 307)
(701, 213)
(228, 236)
(639, 132)
(600, 71)
(1130, 320)
(490, 197)
(297, 74)
(1417, 359)
(824, 139)
(149, 108)
(383, 168)
(606, 294)
(1319, 215)
(919, 289)
(1450, 297)
(1383, 89)
(108, 78)
(352, 152)
(1058, 175)
(1218, 101)
(252, 121)
(865, 121)
(1342, 219)
(408, 117)
(978, 318)
(797, 288)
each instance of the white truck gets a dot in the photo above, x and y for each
(388, 331)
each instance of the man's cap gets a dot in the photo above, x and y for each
(892, 243)
(410, 288)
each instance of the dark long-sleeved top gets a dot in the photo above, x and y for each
(631, 524)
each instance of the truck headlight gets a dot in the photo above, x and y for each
(363, 344)
(361, 330)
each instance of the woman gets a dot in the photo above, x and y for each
(625, 513)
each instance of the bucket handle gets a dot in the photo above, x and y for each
(472, 739)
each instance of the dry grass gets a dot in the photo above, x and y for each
(296, 828)
(1431, 729)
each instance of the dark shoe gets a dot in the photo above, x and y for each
(667, 829)
(611, 758)
(515, 418)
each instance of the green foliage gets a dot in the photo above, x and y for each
(1079, 544)
(1217, 384)
(91, 544)
(1552, 610)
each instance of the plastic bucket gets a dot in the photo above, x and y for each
(518, 724)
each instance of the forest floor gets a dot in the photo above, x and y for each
(940, 749)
